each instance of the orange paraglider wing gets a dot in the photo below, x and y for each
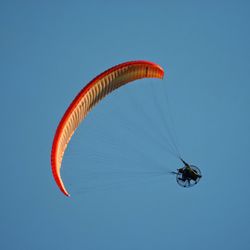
(90, 95)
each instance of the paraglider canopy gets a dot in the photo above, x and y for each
(87, 98)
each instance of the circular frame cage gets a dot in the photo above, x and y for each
(188, 182)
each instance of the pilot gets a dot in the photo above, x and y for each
(188, 173)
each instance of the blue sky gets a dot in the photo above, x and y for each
(50, 50)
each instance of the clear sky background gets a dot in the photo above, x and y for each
(115, 166)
